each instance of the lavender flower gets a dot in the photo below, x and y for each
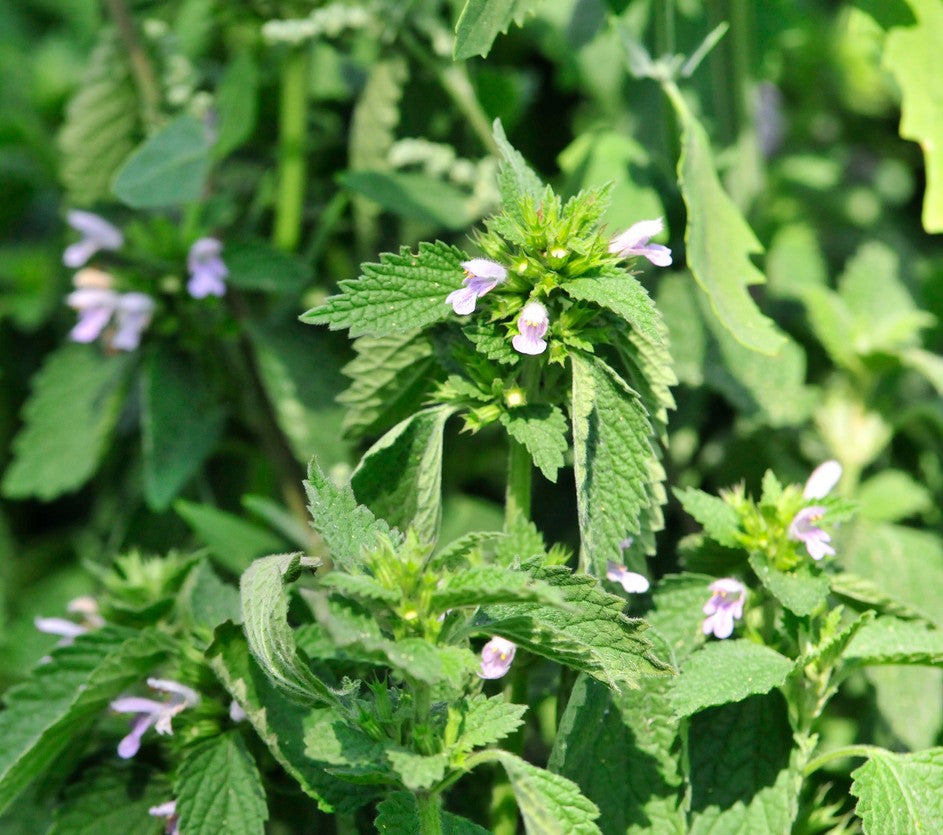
(633, 583)
(151, 712)
(532, 324)
(635, 241)
(69, 630)
(496, 658)
(803, 529)
(97, 234)
(207, 270)
(481, 276)
(95, 307)
(236, 713)
(824, 477)
(725, 606)
(167, 810)
(133, 315)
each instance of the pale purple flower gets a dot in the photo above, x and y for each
(97, 234)
(132, 316)
(725, 606)
(532, 324)
(69, 630)
(152, 712)
(167, 810)
(481, 276)
(207, 270)
(803, 529)
(824, 477)
(635, 241)
(496, 658)
(633, 583)
(95, 306)
(236, 713)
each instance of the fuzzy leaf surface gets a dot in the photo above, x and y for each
(719, 520)
(892, 641)
(900, 792)
(398, 814)
(801, 591)
(542, 430)
(484, 584)
(487, 720)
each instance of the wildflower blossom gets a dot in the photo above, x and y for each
(132, 316)
(207, 270)
(95, 306)
(97, 234)
(152, 712)
(167, 810)
(69, 630)
(725, 606)
(532, 324)
(803, 529)
(496, 658)
(481, 276)
(236, 713)
(824, 477)
(633, 583)
(635, 241)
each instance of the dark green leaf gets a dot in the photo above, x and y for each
(236, 100)
(801, 591)
(413, 195)
(542, 429)
(255, 265)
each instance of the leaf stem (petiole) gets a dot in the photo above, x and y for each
(840, 754)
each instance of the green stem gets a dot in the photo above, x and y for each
(840, 754)
(141, 69)
(519, 482)
(430, 819)
(292, 125)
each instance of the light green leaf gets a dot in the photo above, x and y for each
(891, 495)
(344, 749)
(417, 771)
(909, 701)
(516, 179)
(180, 425)
(719, 519)
(348, 528)
(63, 698)
(413, 195)
(403, 292)
(743, 770)
(863, 590)
(208, 600)
(720, 242)
(236, 100)
(484, 584)
(618, 475)
(801, 591)
(892, 641)
(398, 814)
(400, 477)
(73, 407)
(910, 52)
(485, 721)
(678, 601)
(541, 428)
(900, 792)
(233, 541)
(271, 640)
(359, 587)
(727, 671)
(481, 21)
(167, 169)
(218, 789)
(549, 804)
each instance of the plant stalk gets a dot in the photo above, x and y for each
(430, 819)
(292, 127)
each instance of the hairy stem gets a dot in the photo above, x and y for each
(141, 69)
(430, 819)
(292, 126)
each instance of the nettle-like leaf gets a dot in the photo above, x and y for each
(484, 584)
(219, 789)
(405, 291)
(719, 520)
(400, 477)
(900, 792)
(549, 804)
(892, 641)
(64, 697)
(677, 612)
(541, 428)
(801, 590)
(619, 478)
(417, 771)
(271, 639)
(348, 528)
(516, 180)
(719, 241)
(591, 635)
(727, 671)
(398, 814)
(345, 750)
(390, 378)
(73, 407)
(863, 591)
(481, 21)
(485, 721)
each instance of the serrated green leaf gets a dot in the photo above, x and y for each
(863, 590)
(403, 292)
(592, 636)
(111, 797)
(892, 641)
(236, 99)
(167, 169)
(278, 721)
(742, 766)
(345, 750)
(541, 428)
(900, 792)
(727, 671)
(516, 179)
(390, 377)
(719, 520)
(619, 478)
(233, 541)
(208, 600)
(359, 587)
(491, 341)
(801, 591)
(271, 641)
(417, 771)
(413, 195)
(64, 697)
(909, 52)
(400, 477)
(719, 242)
(620, 748)
(485, 721)
(485, 584)
(481, 21)
(71, 411)
(398, 814)
(180, 425)
(549, 804)
(678, 601)
(219, 789)
(348, 528)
